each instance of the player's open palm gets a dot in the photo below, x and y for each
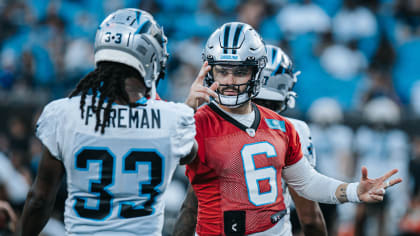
(199, 93)
(373, 190)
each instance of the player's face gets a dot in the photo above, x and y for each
(232, 79)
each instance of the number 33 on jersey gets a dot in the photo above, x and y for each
(119, 176)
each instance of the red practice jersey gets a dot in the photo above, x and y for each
(237, 173)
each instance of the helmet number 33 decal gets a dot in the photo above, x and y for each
(115, 38)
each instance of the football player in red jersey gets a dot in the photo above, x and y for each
(245, 150)
(276, 93)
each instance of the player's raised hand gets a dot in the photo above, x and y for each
(373, 190)
(200, 93)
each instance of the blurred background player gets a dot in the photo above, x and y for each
(245, 149)
(381, 145)
(277, 94)
(334, 157)
(118, 148)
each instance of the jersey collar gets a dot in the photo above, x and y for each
(234, 122)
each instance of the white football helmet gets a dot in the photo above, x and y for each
(278, 79)
(132, 37)
(236, 44)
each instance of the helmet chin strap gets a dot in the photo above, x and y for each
(153, 88)
(153, 92)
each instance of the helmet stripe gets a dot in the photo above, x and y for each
(138, 14)
(273, 55)
(128, 39)
(146, 27)
(278, 66)
(236, 37)
(143, 27)
(226, 38)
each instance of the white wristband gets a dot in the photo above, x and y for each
(351, 192)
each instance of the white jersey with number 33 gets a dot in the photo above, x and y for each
(115, 181)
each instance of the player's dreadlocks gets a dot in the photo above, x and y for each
(107, 83)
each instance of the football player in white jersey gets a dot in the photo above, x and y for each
(277, 94)
(116, 143)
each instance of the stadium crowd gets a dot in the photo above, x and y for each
(359, 88)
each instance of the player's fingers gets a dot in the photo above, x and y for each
(386, 184)
(214, 86)
(203, 96)
(206, 90)
(379, 192)
(389, 174)
(392, 182)
(364, 173)
(205, 68)
(202, 89)
(211, 92)
(377, 198)
(217, 99)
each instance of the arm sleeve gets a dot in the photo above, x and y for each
(183, 136)
(47, 128)
(310, 184)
